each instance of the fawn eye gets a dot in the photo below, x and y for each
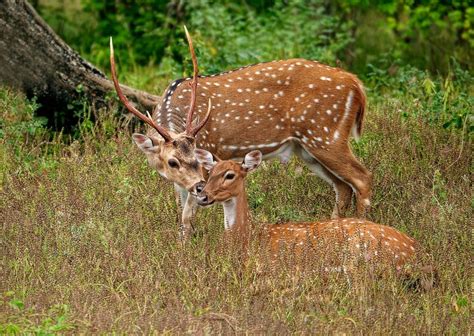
(229, 176)
(173, 163)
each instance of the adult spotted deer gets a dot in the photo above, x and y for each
(282, 108)
(360, 239)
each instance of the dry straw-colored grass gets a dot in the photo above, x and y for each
(91, 238)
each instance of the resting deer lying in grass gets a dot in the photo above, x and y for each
(372, 242)
(282, 108)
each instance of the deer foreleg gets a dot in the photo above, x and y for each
(181, 196)
(187, 204)
(189, 209)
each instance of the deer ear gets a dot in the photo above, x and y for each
(205, 158)
(145, 143)
(252, 160)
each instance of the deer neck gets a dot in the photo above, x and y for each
(236, 212)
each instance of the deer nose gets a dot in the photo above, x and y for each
(199, 187)
(202, 199)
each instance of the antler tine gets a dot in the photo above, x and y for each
(193, 84)
(161, 130)
(196, 129)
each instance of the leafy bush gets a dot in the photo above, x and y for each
(18, 122)
(431, 32)
(236, 36)
(19, 127)
(425, 34)
(445, 101)
(23, 135)
(227, 34)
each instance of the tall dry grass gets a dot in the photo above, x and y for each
(89, 243)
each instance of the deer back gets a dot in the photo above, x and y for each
(265, 105)
(344, 239)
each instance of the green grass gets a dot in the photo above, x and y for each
(89, 244)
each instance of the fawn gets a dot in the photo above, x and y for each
(360, 239)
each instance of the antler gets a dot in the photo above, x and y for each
(196, 129)
(161, 130)
(189, 120)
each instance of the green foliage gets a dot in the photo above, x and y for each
(25, 138)
(236, 36)
(70, 21)
(425, 34)
(55, 321)
(18, 122)
(435, 30)
(146, 27)
(152, 32)
(21, 129)
(444, 101)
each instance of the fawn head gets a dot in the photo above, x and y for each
(169, 153)
(226, 178)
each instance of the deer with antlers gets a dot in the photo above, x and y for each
(357, 238)
(282, 108)
(168, 151)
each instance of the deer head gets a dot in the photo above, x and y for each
(226, 179)
(171, 154)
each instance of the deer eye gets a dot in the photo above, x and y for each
(229, 176)
(173, 163)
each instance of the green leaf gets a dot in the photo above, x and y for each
(16, 304)
(462, 301)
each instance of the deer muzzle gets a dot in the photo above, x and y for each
(203, 199)
(197, 188)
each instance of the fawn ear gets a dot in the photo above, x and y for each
(205, 158)
(252, 160)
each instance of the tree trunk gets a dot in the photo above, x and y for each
(35, 60)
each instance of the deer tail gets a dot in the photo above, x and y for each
(361, 97)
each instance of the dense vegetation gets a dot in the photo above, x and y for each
(357, 32)
(88, 239)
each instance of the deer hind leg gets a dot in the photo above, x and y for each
(342, 189)
(349, 170)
